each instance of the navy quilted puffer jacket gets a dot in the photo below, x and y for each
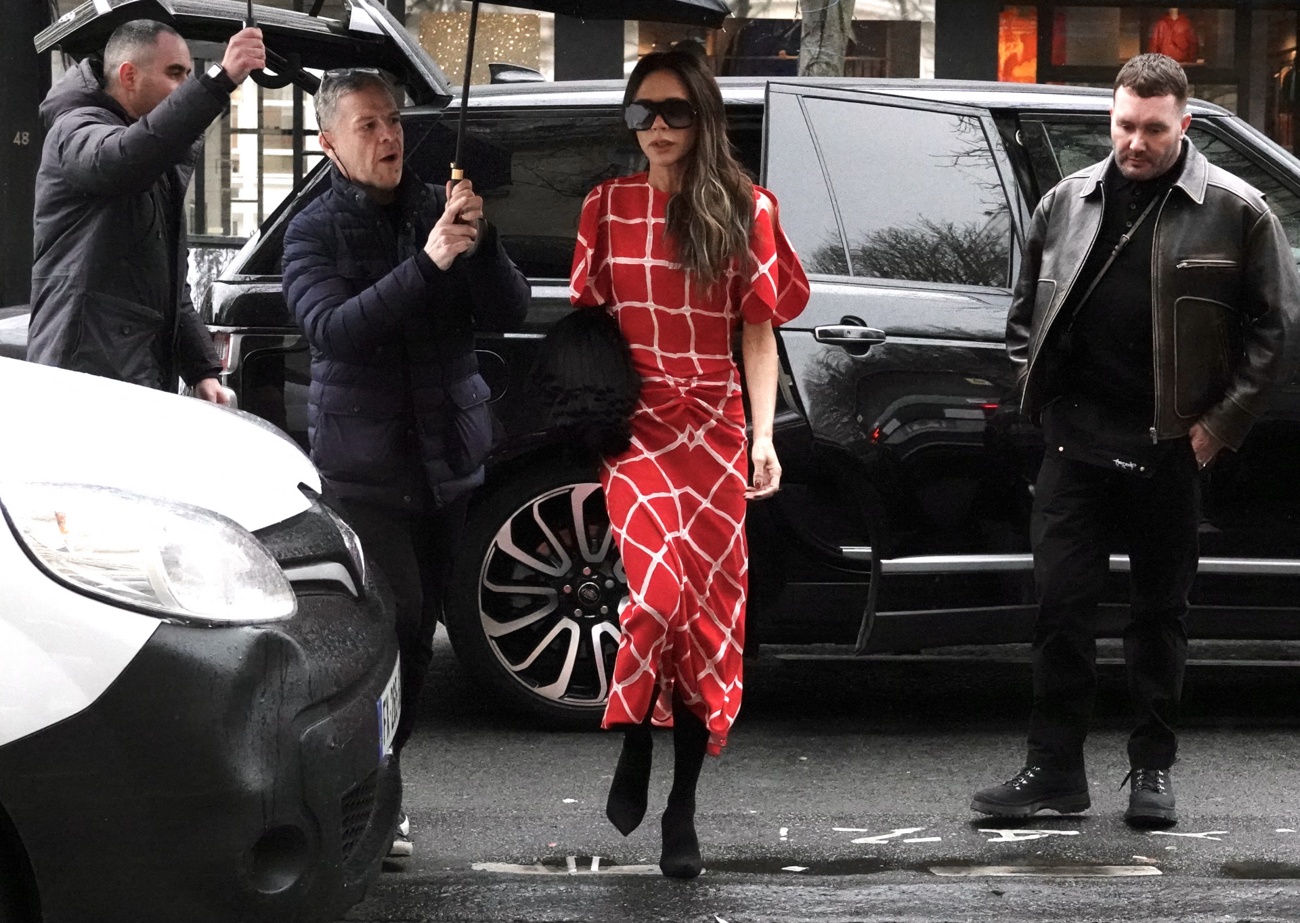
(397, 412)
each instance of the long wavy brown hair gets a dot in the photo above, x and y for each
(711, 217)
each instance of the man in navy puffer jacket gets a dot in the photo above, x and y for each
(389, 278)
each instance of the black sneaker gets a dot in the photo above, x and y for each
(1034, 789)
(1150, 798)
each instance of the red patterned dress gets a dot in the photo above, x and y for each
(676, 496)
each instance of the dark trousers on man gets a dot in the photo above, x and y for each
(414, 552)
(1082, 512)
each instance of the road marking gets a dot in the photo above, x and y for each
(879, 838)
(1044, 871)
(924, 839)
(1015, 836)
(595, 863)
(572, 862)
(785, 832)
(1284, 830)
(537, 868)
(1207, 835)
(794, 868)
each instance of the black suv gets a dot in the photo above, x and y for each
(902, 523)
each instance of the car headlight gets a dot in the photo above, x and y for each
(160, 557)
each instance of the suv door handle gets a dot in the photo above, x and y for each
(848, 335)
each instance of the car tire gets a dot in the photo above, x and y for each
(536, 592)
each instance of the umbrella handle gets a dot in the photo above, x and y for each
(249, 23)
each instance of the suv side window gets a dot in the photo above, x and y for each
(795, 175)
(533, 171)
(534, 168)
(919, 194)
(1058, 149)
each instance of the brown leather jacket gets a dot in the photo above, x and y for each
(1223, 282)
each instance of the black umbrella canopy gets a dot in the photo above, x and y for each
(688, 12)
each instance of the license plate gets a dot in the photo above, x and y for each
(389, 710)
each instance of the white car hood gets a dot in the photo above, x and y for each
(65, 426)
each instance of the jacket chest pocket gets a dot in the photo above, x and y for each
(1214, 278)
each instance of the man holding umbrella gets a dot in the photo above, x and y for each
(389, 279)
(109, 289)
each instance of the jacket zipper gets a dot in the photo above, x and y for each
(1155, 308)
(1205, 264)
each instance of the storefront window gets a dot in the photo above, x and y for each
(1107, 36)
(1018, 44)
(253, 157)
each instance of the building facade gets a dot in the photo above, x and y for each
(1241, 55)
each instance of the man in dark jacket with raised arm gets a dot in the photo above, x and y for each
(109, 289)
(389, 278)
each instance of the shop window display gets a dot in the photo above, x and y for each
(1104, 36)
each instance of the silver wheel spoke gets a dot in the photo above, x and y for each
(611, 631)
(562, 625)
(578, 502)
(496, 629)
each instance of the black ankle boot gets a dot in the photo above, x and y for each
(681, 851)
(630, 790)
(1034, 789)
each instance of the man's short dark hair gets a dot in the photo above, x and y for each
(133, 41)
(336, 84)
(1153, 74)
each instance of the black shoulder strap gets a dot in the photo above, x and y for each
(1119, 246)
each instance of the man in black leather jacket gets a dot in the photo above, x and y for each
(389, 278)
(1148, 323)
(109, 288)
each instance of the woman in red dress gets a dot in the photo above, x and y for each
(684, 256)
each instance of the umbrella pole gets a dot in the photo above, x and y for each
(457, 172)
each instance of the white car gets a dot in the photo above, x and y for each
(198, 684)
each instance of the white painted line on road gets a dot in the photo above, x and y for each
(572, 862)
(794, 868)
(570, 800)
(1044, 871)
(1207, 835)
(595, 863)
(879, 838)
(1015, 836)
(924, 839)
(1284, 830)
(537, 868)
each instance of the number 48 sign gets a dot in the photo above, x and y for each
(22, 137)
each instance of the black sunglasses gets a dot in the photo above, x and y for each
(640, 114)
(348, 74)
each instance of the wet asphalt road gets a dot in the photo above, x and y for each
(844, 794)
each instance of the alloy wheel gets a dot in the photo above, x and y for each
(550, 592)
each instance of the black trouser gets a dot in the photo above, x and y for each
(414, 552)
(1081, 512)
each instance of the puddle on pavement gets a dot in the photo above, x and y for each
(1261, 870)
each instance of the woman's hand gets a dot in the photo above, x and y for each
(767, 470)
